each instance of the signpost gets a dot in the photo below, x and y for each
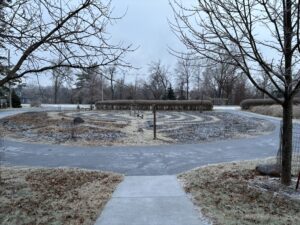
(154, 121)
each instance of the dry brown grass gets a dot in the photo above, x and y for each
(54, 196)
(274, 110)
(226, 194)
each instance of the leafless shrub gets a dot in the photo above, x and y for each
(248, 103)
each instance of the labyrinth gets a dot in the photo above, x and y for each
(104, 128)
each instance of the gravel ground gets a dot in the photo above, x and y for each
(120, 128)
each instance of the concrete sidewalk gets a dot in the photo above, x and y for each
(150, 200)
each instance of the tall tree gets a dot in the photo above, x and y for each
(87, 84)
(158, 80)
(185, 70)
(222, 75)
(171, 94)
(258, 36)
(59, 76)
(111, 75)
(198, 78)
(16, 101)
(40, 31)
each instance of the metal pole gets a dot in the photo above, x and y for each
(9, 83)
(154, 122)
(10, 96)
(101, 86)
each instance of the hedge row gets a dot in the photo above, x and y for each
(193, 105)
(248, 103)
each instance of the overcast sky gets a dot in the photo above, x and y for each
(145, 25)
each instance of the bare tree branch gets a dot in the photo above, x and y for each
(41, 32)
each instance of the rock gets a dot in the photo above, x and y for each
(140, 116)
(78, 120)
(272, 170)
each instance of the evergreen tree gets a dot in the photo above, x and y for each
(171, 94)
(86, 84)
(16, 101)
(181, 92)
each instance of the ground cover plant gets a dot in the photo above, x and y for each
(54, 196)
(104, 128)
(234, 193)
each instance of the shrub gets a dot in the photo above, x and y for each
(160, 105)
(248, 103)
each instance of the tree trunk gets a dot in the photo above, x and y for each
(287, 136)
(287, 118)
(187, 89)
(112, 89)
(55, 91)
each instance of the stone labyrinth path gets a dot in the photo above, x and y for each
(188, 127)
(198, 139)
(123, 128)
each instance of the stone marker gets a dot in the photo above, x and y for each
(78, 120)
(272, 170)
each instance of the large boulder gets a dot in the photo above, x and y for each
(272, 170)
(78, 120)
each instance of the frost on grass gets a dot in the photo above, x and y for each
(54, 196)
(234, 194)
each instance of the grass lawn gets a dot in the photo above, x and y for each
(54, 196)
(235, 194)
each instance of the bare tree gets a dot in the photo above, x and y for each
(41, 31)
(259, 36)
(111, 75)
(60, 76)
(120, 87)
(198, 78)
(158, 80)
(3, 29)
(185, 69)
(265, 83)
(222, 75)
(242, 90)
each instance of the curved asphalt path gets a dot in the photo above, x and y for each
(145, 160)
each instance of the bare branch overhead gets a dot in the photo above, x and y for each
(40, 32)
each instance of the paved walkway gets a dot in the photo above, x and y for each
(148, 200)
(145, 160)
